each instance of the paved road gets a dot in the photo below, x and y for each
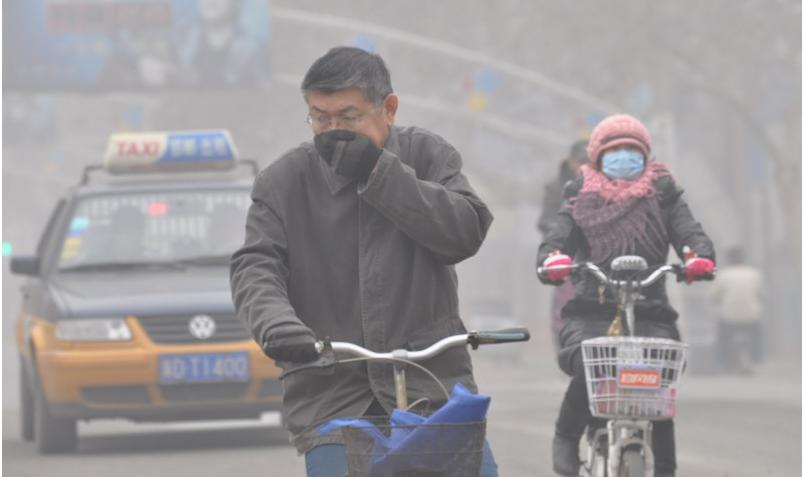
(728, 426)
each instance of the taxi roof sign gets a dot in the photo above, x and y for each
(170, 151)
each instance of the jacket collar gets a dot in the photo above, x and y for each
(393, 141)
(336, 182)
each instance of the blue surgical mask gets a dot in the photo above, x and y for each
(622, 164)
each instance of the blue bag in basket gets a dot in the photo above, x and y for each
(434, 442)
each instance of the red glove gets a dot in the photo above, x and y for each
(557, 275)
(698, 268)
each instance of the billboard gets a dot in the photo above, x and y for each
(75, 45)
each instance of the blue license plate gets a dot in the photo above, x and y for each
(203, 367)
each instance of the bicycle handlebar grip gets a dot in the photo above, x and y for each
(511, 335)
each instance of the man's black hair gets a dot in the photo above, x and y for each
(346, 67)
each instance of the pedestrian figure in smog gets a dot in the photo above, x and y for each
(739, 295)
(354, 236)
(552, 198)
(624, 203)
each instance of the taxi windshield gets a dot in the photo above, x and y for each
(155, 229)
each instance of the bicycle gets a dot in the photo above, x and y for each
(631, 381)
(458, 445)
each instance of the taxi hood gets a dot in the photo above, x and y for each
(132, 293)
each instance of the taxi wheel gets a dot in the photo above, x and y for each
(26, 406)
(52, 434)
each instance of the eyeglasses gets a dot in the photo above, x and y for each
(347, 121)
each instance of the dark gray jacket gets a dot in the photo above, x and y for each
(367, 263)
(585, 317)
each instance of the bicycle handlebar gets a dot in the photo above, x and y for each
(603, 278)
(473, 338)
(401, 357)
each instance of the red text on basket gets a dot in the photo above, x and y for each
(639, 378)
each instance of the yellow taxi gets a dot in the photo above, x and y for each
(126, 309)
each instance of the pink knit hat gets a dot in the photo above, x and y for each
(617, 130)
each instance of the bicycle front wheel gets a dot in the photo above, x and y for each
(632, 463)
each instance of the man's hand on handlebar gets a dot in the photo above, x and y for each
(293, 343)
(555, 277)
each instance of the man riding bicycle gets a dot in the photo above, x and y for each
(625, 203)
(353, 237)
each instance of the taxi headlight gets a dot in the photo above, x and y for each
(114, 329)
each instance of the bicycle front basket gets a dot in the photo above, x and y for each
(422, 450)
(633, 377)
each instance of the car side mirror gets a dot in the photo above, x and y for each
(25, 265)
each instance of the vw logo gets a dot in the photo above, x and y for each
(202, 327)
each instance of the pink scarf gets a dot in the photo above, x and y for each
(621, 217)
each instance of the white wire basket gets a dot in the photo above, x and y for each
(633, 377)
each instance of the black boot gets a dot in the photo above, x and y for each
(664, 447)
(566, 456)
(569, 428)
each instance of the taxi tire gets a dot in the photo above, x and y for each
(53, 435)
(26, 406)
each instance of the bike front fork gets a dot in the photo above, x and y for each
(606, 447)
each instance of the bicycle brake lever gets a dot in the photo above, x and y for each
(326, 360)
(324, 345)
(679, 271)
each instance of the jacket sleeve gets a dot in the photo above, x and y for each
(259, 269)
(683, 229)
(564, 235)
(440, 212)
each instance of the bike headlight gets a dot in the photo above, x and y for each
(98, 329)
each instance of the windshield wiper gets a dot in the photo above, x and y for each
(101, 266)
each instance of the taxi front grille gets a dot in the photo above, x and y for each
(176, 329)
(195, 392)
(132, 394)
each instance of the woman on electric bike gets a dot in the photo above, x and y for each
(624, 203)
